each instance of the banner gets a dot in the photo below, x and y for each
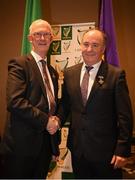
(32, 12)
(63, 167)
(65, 48)
(65, 52)
(106, 24)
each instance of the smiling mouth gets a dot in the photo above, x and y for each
(42, 44)
(90, 54)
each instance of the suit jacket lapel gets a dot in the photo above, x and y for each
(38, 74)
(54, 80)
(99, 80)
(76, 81)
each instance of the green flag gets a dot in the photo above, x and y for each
(32, 12)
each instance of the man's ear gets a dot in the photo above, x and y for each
(103, 50)
(30, 38)
(51, 38)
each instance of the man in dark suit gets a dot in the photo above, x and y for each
(101, 128)
(28, 142)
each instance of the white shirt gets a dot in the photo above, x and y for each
(92, 72)
(37, 59)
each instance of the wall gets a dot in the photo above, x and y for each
(60, 12)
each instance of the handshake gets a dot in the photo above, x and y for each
(53, 124)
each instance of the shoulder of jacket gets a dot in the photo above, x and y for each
(115, 68)
(20, 60)
(73, 68)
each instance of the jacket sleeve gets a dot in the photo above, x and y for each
(124, 115)
(18, 104)
(64, 103)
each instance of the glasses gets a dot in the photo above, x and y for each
(39, 35)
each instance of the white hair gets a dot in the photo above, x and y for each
(39, 21)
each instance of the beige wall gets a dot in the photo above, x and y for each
(60, 12)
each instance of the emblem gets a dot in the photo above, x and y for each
(101, 80)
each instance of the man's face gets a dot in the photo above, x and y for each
(40, 38)
(92, 47)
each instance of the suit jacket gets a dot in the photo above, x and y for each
(103, 127)
(28, 108)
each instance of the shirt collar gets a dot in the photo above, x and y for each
(95, 66)
(37, 57)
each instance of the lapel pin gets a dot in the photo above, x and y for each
(100, 80)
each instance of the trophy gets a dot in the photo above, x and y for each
(62, 63)
(60, 66)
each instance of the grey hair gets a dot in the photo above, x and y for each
(39, 21)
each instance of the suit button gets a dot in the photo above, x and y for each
(83, 114)
(83, 111)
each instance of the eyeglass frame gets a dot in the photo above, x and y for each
(40, 34)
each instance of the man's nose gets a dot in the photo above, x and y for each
(89, 48)
(42, 36)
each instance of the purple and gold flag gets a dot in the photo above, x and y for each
(106, 24)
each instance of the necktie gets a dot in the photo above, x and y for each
(48, 88)
(84, 84)
(54, 137)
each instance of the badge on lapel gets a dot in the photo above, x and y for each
(100, 80)
(53, 76)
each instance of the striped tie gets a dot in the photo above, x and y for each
(84, 84)
(48, 88)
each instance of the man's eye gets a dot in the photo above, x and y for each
(86, 45)
(95, 45)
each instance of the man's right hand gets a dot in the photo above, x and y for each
(53, 124)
